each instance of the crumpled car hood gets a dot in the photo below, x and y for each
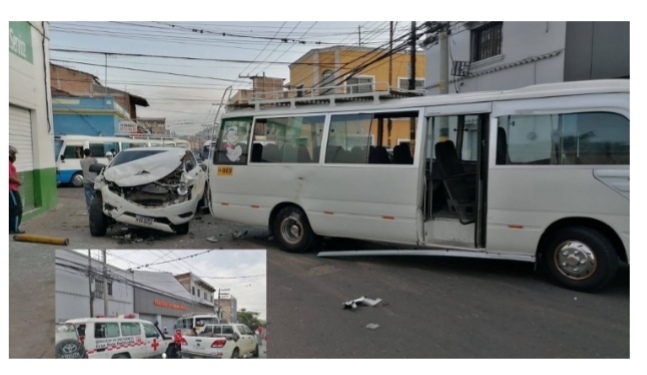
(145, 170)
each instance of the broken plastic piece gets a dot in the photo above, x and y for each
(238, 234)
(372, 325)
(361, 300)
(212, 239)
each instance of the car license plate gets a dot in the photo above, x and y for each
(144, 219)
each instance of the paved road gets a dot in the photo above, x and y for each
(431, 308)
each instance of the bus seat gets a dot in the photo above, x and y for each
(401, 154)
(502, 156)
(333, 154)
(257, 153)
(358, 155)
(271, 153)
(378, 155)
(303, 156)
(289, 154)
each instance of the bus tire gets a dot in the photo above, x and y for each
(121, 356)
(77, 180)
(580, 258)
(292, 230)
(98, 220)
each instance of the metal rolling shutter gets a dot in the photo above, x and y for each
(20, 137)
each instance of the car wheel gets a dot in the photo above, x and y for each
(293, 231)
(235, 354)
(580, 258)
(77, 180)
(182, 228)
(255, 355)
(98, 220)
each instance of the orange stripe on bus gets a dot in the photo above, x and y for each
(328, 212)
(255, 206)
(388, 217)
(515, 226)
(224, 204)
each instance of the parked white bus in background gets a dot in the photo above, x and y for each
(196, 321)
(69, 152)
(537, 174)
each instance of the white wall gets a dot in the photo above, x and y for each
(520, 40)
(29, 88)
(72, 288)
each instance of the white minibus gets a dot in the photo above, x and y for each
(536, 174)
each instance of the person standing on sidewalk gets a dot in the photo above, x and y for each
(15, 202)
(88, 177)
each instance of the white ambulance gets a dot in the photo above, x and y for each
(122, 338)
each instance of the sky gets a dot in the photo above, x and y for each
(183, 68)
(243, 272)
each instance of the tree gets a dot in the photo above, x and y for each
(249, 318)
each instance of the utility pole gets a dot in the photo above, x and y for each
(105, 284)
(90, 283)
(106, 80)
(359, 32)
(444, 60)
(412, 76)
(391, 55)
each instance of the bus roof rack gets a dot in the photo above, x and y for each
(324, 95)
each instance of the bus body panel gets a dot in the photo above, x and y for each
(357, 210)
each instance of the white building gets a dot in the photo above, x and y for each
(74, 289)
(31, 128)
(504, 55)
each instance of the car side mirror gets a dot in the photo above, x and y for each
(96, 168)
(204, 167)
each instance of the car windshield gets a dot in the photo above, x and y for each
(65, 331)
(127, 157)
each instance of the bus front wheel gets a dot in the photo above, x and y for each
(292, 229)
(77, 180)
(580, 258)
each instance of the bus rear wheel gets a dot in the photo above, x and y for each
(580, 258)
(292, 230)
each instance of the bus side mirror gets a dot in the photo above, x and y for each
(62, 158)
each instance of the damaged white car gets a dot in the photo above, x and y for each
(153, 187)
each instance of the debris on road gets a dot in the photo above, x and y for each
(372, 325)
(352, 304)
(238, 234)
(130, 238)
(212, 239)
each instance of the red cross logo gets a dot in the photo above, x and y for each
(155, 344)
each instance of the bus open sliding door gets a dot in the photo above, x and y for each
(456, 152)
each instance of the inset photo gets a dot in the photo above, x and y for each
(163, 303)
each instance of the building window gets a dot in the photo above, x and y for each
(193, 290)
(403, 83)
(486, 41)
(357, 85)
(300, 91)
(327, 80)
(198, 293)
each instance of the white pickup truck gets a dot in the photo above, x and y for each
(225, 340)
